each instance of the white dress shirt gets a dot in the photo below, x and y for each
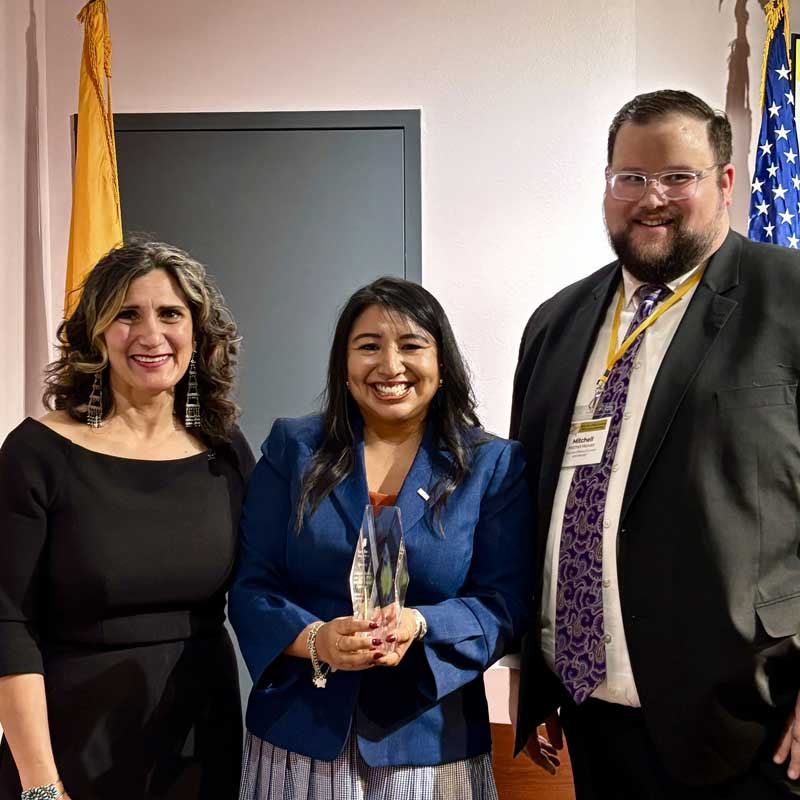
(619, 685)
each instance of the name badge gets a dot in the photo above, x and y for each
(586, 440)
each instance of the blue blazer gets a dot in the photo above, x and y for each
(472, 584)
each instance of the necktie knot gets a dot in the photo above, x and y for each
(649, 296)
(652, 293)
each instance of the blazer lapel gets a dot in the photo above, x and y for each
(352, 494)
(705, 317)
(571, 354)
(411, 503)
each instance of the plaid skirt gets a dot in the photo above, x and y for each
(272, 773)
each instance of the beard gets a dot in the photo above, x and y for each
(682, 252)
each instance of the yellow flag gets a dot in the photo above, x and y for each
(96, 224)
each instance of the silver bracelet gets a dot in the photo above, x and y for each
(320, 677)
(422, 626)
(50, 791)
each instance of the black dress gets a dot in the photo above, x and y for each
(113, 574)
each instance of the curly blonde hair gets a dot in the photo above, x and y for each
(82, 346)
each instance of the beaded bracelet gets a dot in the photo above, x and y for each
(50, 791)
(320, 677)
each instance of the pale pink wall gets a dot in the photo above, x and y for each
(12, 217)
(25, 284)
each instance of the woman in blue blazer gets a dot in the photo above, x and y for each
(330, 715)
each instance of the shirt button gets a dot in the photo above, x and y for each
(607, 638)
(637, 364)
(606, 523)
(606, 583)
(626, 415)
(615, 468)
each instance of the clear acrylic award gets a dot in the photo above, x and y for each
(379, 576)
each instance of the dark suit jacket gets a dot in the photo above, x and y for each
(709, 537)
(472, 585)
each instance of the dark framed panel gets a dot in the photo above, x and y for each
(405, 121)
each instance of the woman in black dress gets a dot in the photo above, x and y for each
(118, 518)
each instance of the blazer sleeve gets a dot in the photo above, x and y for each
(467, 633)
(264, 620)
(28, 484)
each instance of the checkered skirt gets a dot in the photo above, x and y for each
(272, 773)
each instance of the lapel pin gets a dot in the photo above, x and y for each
(423, 494)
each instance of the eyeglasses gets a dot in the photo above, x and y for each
(670, 184)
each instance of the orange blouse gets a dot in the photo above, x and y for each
(379, 500)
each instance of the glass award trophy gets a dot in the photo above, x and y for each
(379, 576)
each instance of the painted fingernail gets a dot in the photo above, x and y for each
(376, 656)
(373, 625)
(391, 638)
(376, 642)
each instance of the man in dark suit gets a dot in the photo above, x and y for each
(657, 403)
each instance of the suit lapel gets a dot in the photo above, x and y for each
(705, 317)
(571, 353)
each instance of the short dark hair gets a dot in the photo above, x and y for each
(647, 107)
(82, 349)
(456, 427)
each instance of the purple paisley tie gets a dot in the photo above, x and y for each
(580, 653)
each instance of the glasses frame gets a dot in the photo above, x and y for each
(655, 177)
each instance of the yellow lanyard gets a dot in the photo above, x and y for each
(615, 353)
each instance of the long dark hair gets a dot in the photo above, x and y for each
(82, 349)
(456, 428)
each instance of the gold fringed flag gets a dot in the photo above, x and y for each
(96, 224)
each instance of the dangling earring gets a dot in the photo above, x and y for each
(347, 384)
(94, 411)
(441, 382)
(192, 417)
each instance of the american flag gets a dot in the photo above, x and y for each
(775, 196)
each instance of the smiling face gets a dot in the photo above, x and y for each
(658, 239)
(392, 367)
(150, 341)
